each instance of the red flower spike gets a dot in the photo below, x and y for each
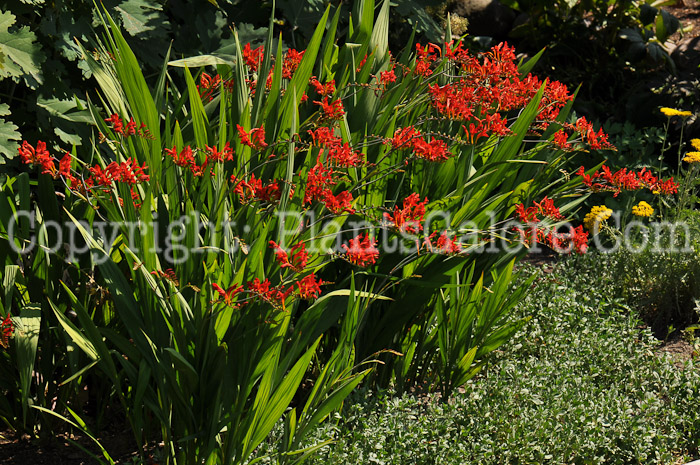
(214, 156)
(64, 167)
(387, 77)
(39, 156)
(183, 159)
(361, 65)
(623, 179)
(323, 89)
(309, 287)
(299, 257)
(361, 250)
(207, 85)
(448, 245)
(253, 57)
(545, 208)
(7, 328)
(99, 177)
(405, 138)
(338, 204)
(131, 127)
(317, 181)
(254, 139)
(344, 156)
(435, 150)
(410, 218)
(425, 56)
(561, 140)
(576, 240)
(117, 125)
(323, 137)
(168, 274)
(333, 110)
(291, 62)
(265, 291)
(228, 295)
(254, 190)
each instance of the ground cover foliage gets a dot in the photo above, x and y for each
(582, 382)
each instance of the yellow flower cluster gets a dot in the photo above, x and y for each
(693, 157)
(597, 215)
(673, 112)
(642, 209)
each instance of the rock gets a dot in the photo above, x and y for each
(486, 17)
(686, 54)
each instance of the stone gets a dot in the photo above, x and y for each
(686, 54)
(486, 17)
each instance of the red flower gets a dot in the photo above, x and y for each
(545, 207)
(387, 77)
(117, 125)
(298, 260)
(255, 190)
(405, 138)
(265, 291)
(207, 85)
(184, 159)
(99, 177)
(333, 111)
(409, 218)
(7, 328)
(254, 139)
(361, 65)
(128, 172)
(317, 181)
(323, 89)
(343, 155)
(576, 240)
(309, 287)
(626, 180)
(448, 245)
(338, 204)
(213, 154)
(254, 57)
(64, 167)
(292, 59)
(561, 140)
(168, 274)
(131, 127)
(228, 295)
(455, 101)
(597, 140)
(435, 150)
(39, 156)
(323, 137)
(425, 56)
(361, 250)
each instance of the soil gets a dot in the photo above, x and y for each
(680, 350)
(688, 13)
(60, 451)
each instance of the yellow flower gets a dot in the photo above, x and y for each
(673, 112)
(692, 157)
(696, 143)
(597, 215)
(642, 209)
